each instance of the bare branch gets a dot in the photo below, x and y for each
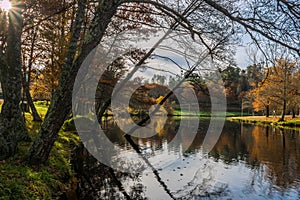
(242, 21)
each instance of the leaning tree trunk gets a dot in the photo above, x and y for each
(61, 103)
(13, 128)
(34, 113)
(26, 83)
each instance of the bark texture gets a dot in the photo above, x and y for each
(12, 126)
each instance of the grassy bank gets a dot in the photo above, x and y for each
(51, 181)
(204, 113)
(274, 121)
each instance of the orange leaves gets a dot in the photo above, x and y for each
(279, 86)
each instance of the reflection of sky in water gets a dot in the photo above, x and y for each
(242, 166)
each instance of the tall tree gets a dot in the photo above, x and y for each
(278, 88)
(44, 44)
(27, 70)
(13, 127)
(284, 71)
(262, 98)
(60, 106)
(231, 78)
(295, 91)
(254, 74)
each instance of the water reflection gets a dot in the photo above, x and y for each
(252, 162)
(278, 150)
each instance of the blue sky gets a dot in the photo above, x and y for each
(241, 57)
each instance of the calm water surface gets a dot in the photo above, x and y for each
(248, 162)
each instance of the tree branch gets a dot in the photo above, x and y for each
(242, 22)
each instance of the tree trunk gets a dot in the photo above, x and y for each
(293, 113)
(27, 82)
(61, 103)
(8, 141)
(11, 77)
(283, 111)
(268, 111)
(34, 113)
(12, 125)
(285, 80)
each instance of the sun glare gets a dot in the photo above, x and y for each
(5, 5)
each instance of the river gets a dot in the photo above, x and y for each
(247, 162)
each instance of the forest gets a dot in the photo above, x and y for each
(44, 45)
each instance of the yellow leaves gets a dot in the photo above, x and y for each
(159, 99)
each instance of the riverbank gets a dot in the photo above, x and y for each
(54, 180)
(204, 113)
(273, 121)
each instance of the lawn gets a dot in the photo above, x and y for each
(289, 121)
(203, 113)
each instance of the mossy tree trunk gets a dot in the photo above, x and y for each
(61, 103)
(8, 141)
(13, 128)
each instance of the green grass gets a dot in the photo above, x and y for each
(273, 121)
(290, 123)
(205, 113)
(50, 181)
(41, 107)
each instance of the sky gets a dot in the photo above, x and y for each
(241, 57)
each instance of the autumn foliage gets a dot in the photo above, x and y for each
(279, 91)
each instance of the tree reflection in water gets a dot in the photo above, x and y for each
(97, 181)
(247, 162)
